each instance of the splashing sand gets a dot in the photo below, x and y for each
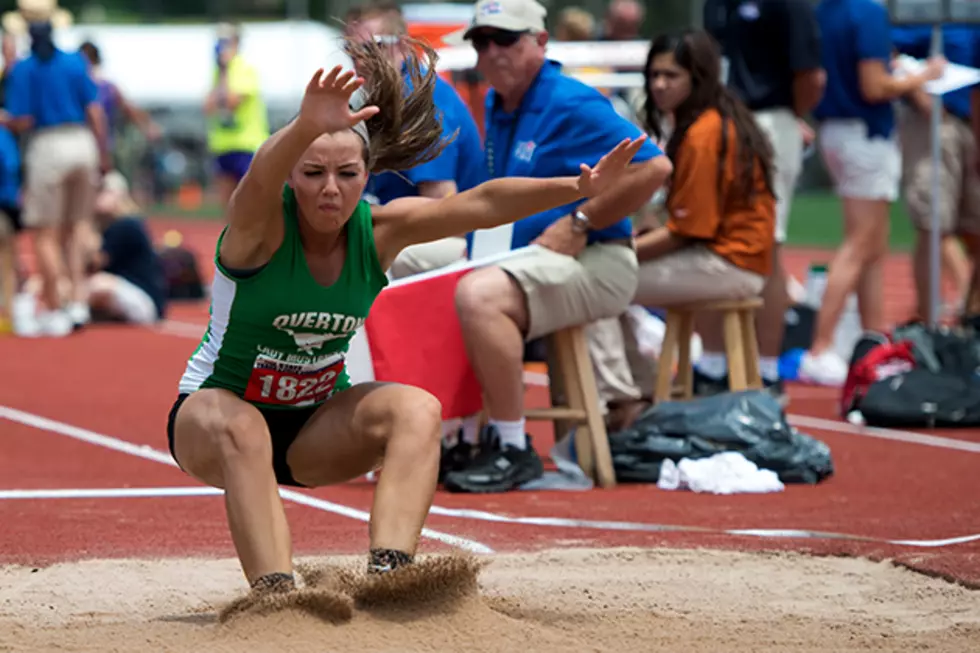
(548, 602)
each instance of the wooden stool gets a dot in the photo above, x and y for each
(575, 401)
(741, 346)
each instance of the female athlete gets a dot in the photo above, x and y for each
(265, 398)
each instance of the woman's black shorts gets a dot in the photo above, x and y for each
(284, 426)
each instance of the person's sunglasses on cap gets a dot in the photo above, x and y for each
(502, 38)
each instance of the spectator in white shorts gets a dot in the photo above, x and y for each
(51, 94)
(541, 123)
(772, 52)
(959, 200)
(856, 137)
(128, 282)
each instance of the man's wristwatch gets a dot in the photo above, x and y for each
(581, 223)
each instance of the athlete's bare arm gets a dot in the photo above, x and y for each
(412, 220)
(254, 214)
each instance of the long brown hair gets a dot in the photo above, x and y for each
(407, 131)
(697, 53)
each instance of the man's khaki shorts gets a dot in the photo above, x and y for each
(561, 291)
(62, 169)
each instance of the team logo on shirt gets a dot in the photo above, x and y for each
(311, 330)
(525, 150)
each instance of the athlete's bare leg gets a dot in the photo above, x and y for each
(224, 442)
(397, 426)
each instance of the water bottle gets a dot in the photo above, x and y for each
(816, 284)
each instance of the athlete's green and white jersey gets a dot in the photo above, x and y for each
(278, 338)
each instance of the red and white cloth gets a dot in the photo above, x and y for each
(413, 336)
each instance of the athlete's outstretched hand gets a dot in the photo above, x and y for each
(594, 181)
(326, 102)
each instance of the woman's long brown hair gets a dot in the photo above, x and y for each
(697, 53)
(407, 131)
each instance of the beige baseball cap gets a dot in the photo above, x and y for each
(510, 15)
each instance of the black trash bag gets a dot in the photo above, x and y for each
(751, 423)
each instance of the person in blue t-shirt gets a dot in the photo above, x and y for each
(859, 147)
(51, 94)
(959, 208)
(540, 122)
(459, 167)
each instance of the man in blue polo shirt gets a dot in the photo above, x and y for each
(458, 168)
(51, 94)
(860, 149)
(959, 206)
(541, 123)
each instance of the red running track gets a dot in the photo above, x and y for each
(88, 412)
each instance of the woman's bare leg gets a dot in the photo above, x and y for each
(856, 266)
(371, 424)
(224, 442)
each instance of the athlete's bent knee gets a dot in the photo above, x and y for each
(243, 437)
(406, 412)
(212, 431)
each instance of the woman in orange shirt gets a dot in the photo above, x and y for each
(718, 239)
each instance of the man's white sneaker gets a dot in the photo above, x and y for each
(54, 324)
(79, 314)
(824, 369)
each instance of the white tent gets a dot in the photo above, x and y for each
(173, 65)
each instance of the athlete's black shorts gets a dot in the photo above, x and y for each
(284, 426)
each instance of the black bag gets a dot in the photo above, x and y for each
(943, 390)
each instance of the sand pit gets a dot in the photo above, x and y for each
(550, 602)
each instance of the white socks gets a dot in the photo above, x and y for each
(511, 433)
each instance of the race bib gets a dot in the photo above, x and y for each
(284, 383)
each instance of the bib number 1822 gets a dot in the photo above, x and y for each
(270, 386)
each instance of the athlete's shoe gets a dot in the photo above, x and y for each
(497, 468)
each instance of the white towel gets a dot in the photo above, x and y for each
(723, 473)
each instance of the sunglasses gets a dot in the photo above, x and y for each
(499, 37)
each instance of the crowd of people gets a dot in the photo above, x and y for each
(92, 255)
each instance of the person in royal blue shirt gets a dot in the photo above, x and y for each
(959, 208)
(541, 123)
(859, 147)
(51, 94)
(458, 168)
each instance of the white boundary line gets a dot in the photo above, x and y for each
(149, 453)
(886, 434)
(109, 493)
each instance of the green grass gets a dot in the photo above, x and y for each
(815, 221)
